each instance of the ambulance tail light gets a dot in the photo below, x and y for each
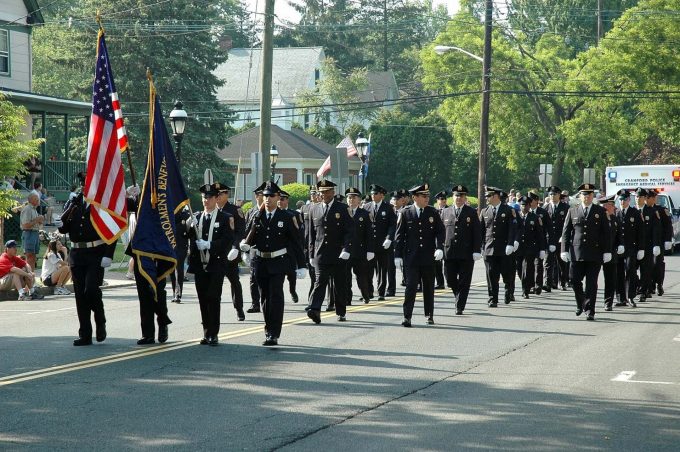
(612, 176)
(676, 175)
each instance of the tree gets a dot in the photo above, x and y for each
(15, 149)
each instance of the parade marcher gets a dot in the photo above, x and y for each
(556, 270)
(363, 246)
(419, 243)
(439, 266)
(89, 257)
(275, 240)
(532, 244)
(666, 232)
(585, 244)
(313, 200)
(462, 245)
(181, 250)
(232, 272)
(542, 215)
(152, 306)
(653, 241)
(499, 229)
(292, 272)
(212, 236)
(258, 205)
(617, 250)
(632, 234)
(330, 242)
(384, 225)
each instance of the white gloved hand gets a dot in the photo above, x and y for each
(370, 256)
(233, 254)
(106, 262)
(476, 256)
(397, 262)
(246, 258)
(509, 249)
(132, 191)
(552, 248)
(202, 245)
(620, 249)
(515, 246)
(311, 262)
(344, 255)
(190, 222)
(541, 254)
(244, 246)
(667, 245)
(640, 255)
(301, 273)
(565, 257)
(438, 255)
(656, 251)
(387, 243)
(606, 257)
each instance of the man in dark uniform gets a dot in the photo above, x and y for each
(666, 232)
(439, 266)
(88, 258)
(181, 250)
(210, 240)
(632, 234)
(330, 241)
(651, 221)
(585, 243)
(531, 239)
(617, 250)
(384, 225)
(499, 229)
(542, 215)
(305, 210)
(419, 243)
(556, 272)
(284, 197)
(462, 245)
(233, 257)
(363, 246)
(254, 289)
(276, 242)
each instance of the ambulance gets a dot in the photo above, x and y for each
(663, 178)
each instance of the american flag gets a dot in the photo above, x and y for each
(351, 152)
(105, 178)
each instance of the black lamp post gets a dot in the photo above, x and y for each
(178, 120)
(362, 147)
(273, 158)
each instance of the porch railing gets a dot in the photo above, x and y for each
(60, 174)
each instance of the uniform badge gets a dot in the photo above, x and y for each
(217, 225)
(562, 212)
(361, 218)
(531, 223)
(280, 224)
(502, 215)
(431, 220)
(646, 217)
(384, 213)
(337, 215)
(468, 219)
(597, 215)
(632, 220)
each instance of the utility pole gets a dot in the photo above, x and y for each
(266, 89)
(599, 21)
(385, 42)
(486, 92)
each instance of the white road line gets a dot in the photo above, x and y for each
(626, 375)
(677, 338)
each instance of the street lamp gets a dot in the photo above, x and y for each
(273, 158)
(362, 147)
(178, 120)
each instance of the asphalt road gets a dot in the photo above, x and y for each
(528, 376)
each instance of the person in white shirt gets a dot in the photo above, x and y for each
(55, 271)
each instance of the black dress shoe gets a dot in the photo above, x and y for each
(177, 300)
(253, 309)
(532, 290)
(389, 294)
(660, 291)
(315, 316)
(608, 308)
(493, 304)
(507, 300)
(240, 315)
(579, 311)
(162, 333)
(590, 317)
(381, 298)
(294, 295)
(146, 341)
(406, 323)
(525, 295)
(430, 320)
(101, 332)
(439, 287)
(621, 303)
(632, 304)
(213, 341)
(538, 290)
(349, 303)
(564, 288)
(270, 341)
(341, 318)
(365, 300)
(459, 312)
(82, 341)
(330, 308)
(204, 341)
(547, 289)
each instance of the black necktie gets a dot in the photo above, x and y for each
(269, 217)
(419, 209)
(494, 212)
(325, 209)
(207, 217)
(585, 212)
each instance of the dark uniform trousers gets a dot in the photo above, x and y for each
(610, 273)
(151, 309)
(254, 289)
(232, 275)
(417, 274)
(556, 270)
(382, 265)
(526, 270)
(177, 277)
(209, 291)
(271, 290)
(626, 281)
(458, 278)
(439, 273)
(590, 270)
(324, 274)
(391, 273)
(495, 267)
(87, 277)
(360, 268)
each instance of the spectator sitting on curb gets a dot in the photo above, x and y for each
(15, 272)
(55, 272)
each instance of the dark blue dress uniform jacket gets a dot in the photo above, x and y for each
(557, 215)
(331, 234)
(463, 234)
(223, 240)
(416, 238)
(498, 232)
(77, 224)
(651, 221)
(362, 241)
(384, 222)
(632, 231)
(586, 238)
(282, 231)
(530, 235)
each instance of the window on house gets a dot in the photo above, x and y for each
(317, 75)
(4, 52)
(306, 120)
(310, 179)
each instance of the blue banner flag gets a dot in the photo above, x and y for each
(162, 196)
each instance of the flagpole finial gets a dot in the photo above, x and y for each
(98, 18)
(149, 75)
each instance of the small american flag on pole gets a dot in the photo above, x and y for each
(105, 178)
(351, 152)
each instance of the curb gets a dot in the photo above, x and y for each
(12, 295)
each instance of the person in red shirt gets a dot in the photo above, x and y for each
(15, 272)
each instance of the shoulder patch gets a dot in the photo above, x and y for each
(240, 212)
(295, 223)
(231, 222)
(539, 221)
(514, 213)
(657, 215)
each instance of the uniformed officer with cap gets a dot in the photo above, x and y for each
(284, 198)
(542, 215)
(363, 246)
(585, 244)
(556, 270)
(462, 245)
(439, 266)
(666, 231)
(384, 222)
(330, 242)
(210, 240)
(419, 243)
(632, 234)
(181, 250)
(499, 229)
(532, 244)
(257, 207)
(616, 248)
(651, 221)
(276, 244)
(232, 272)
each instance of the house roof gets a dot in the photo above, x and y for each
(381, 86)
(291, 144)
(49, 104)
(292, 69)
(34, 11)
